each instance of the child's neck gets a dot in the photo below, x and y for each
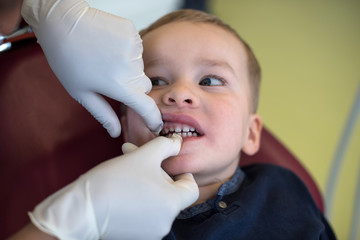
(209, 191)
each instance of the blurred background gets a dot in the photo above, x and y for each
(309, 52)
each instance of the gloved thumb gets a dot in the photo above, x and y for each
(187, 189)
(128, 147)
(158, 149)
(101, 110)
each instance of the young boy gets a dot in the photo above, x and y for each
(205, 82)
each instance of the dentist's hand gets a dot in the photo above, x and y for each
(128, 197)
(94, 53)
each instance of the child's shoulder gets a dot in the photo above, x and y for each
(266, 171)
(272, 179)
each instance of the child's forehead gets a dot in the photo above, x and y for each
(213, 44)
(188, 26)
(203, 33)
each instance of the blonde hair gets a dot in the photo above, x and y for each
(196, 16)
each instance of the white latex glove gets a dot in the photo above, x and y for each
(128, 197)
(94, 53)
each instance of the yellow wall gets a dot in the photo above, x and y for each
(310, 57)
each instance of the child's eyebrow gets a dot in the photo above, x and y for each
(206, 62)
(155, 62)
(216, 63)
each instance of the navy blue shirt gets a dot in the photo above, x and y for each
(260, 202)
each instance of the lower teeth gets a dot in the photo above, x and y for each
(184, 134)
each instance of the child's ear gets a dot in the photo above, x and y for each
(124, 128)
(252, 142)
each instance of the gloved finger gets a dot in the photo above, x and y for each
(167, 176)
(101, 111)
(144, 105)
(187, 189)
(128, 147)
(159, 149)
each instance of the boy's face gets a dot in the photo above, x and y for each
(200, 81)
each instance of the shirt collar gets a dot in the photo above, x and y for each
(225, 189)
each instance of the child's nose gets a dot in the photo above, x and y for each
(181, 96)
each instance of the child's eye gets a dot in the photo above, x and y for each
(157, 82)
(211, 81)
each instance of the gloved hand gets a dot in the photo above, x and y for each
(94, 53)
(128, 197)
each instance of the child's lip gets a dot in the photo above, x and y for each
(183, 119)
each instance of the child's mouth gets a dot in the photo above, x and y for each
(183, 130)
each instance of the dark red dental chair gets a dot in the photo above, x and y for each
(274, 152)
(47, 139)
